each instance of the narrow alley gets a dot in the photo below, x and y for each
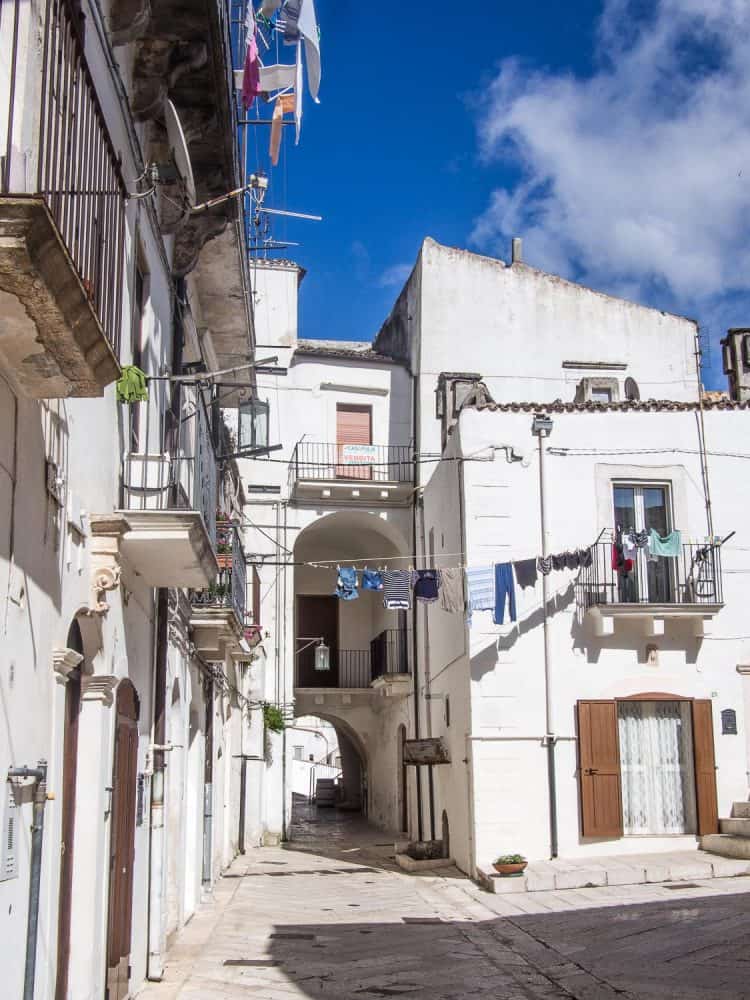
(330, 915)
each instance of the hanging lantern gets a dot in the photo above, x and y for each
(322, 657)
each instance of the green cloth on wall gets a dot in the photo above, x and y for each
(131, 386)
(664, 545)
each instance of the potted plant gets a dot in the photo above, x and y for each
(510, 864)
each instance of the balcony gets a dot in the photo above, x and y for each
(218, 615)
(62, 212)
(351, 474)
(169, 505)
(688, 587)
(385, 662)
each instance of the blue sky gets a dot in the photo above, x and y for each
(613, 136)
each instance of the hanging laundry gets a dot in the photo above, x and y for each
(481, 583)
(452, 590)
(426, 583)
(397, 590)
(131, 386)
(629, 548)
(525, 572)
(283, 105)
(269, 6)
(346, 584)
(251, 73)
(308, 27)
(504, 588)
(277, 77)
(572, 560)
(544, 564)
(664, 545)
(640, 538)
(372, 579)
(558, 562)
(291, 13)
(586, 557)
(619, 562)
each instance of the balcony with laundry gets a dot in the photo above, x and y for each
(651, 578)
(62, 210)
(219, 613)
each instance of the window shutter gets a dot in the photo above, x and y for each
(9, 846)
(705, 767)
(599, 769)
(353, 425)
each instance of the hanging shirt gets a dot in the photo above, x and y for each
(629, 547)
(283, 104)
(452, 590)
(372, 580)
(277, 77)
(291, 13)
(251, 73)
(397, 590)
(346, 584)
(308, 27)
(481, 582)
(525, 572)
(664, 545)
(544, 564)
(426, 584)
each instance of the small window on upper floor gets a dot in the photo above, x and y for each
(298, 753)
(598, 390)
(601, 395)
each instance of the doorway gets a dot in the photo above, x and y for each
(122, 841)
(68, 818)
(656, 767)
(317, 617)
(641, 507)
(353, 428)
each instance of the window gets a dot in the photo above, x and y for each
(298, 751)
(641, 507)
(353, 441)
(601, 394)
(598, 390)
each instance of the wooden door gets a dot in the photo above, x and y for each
(67, 832)
(599, 769)
(317, 616)
(353, 426)
(705, 768)
(122, 841)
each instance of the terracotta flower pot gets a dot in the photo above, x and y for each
(515, 868)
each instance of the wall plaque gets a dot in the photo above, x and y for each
(728, 722)
(431, 751)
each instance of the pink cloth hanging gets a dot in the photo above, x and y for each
(251, 74)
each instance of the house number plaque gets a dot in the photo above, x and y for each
(728, 722)
(432, 751)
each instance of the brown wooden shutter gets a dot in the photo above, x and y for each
(705, 767)
(599, 769)
(353, 426)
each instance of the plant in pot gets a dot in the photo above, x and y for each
(510, 864)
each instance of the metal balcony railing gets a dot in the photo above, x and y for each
(364, 463)
(693, 577)
(229, 590)
(358, 668)
(78, 171)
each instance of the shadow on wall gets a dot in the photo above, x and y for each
(427, 956)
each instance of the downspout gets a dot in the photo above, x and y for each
(155, 970)
(208, 771)
(39, 774)
(702, 439)
(419, 499)
(414, 638)
(549, 738)
(284, 685)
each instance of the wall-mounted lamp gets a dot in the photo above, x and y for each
(322, 652)
(541, 425)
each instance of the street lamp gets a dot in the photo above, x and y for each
(322, 652)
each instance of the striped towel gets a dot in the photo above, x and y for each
(481, 581)
(397, 590)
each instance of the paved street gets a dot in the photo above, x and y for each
(331, 916)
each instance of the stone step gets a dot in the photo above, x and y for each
(727, 845)
(739, 826)
(741, 810)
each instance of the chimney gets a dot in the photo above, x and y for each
(516, 250)
(735, 350)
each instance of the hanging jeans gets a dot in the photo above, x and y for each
(504, 587)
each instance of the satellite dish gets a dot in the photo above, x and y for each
(179, 150)
(632, 392)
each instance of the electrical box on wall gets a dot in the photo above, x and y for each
(9, 845)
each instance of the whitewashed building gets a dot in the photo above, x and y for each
(540, 717)
(125, 682)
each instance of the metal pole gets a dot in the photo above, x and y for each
(39, 774)
(549, 739)
(431, 784)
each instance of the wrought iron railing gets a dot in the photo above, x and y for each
(229, 590)
(77, 168)
(692, 577)
(365, 463)
(358, 668)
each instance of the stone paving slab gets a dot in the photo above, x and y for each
(626, 869)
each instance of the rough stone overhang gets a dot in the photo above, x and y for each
(216, 631)
(182, 52)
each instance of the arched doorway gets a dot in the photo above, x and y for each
(122, 840)
(68, 812)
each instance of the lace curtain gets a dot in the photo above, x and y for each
(656, 760)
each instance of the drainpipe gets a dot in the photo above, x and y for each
(541, 428)
(208, 771)
(39, 774)
(414, 639)
(155, 970)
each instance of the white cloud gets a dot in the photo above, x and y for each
(395, 275)
(637, 177)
